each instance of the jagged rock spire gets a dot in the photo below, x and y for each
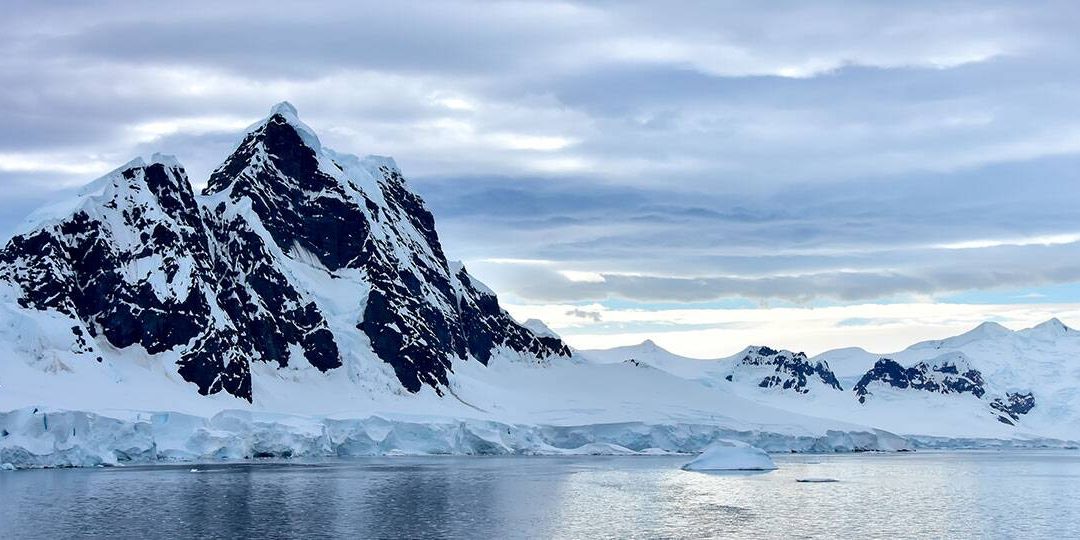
(350, 213)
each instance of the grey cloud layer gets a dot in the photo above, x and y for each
(775, 150)
(542, 284)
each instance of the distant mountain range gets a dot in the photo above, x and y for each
(1028, 378)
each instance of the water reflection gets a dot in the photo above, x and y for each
(925, 495)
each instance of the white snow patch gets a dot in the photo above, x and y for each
(538, 327)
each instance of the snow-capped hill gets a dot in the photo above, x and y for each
(537, 327)
(986, 331)
(848, 363)
(650, 350)
(649, 353)
(781, 370)
(752, 370)
(293, 254)
(90, 194)
(949, 373)
(1035, 371)
(646, 351)
(138, 262)
(1048, 330)
(359, 221)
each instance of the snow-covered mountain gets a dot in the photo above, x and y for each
(988, 382)
(293, 255)
(784, 370)
(769, 370)
(302, 304)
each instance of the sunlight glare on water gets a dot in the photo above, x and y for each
(924, 495)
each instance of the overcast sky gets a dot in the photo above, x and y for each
(708, 174)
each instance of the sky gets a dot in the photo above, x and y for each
(709, 175)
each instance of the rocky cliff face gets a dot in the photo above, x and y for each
(951, 373)
(783, 370)
(290, 251)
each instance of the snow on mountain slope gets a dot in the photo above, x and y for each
(990, 382)
(139, 263)
(950, 373)
(507, 406)
(304, 286)
(782, 370)
(1043, 361)
(355, 219)
(762, 367)
(848, 364)
(303, 305)
(293, 253)
(649, 354)
(1028, 378)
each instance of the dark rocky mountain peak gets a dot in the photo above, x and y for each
(948, 374)
(951, 374)
(358, 214)
(291, 249)
(136, 261)
(785, 370)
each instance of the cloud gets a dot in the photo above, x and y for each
(784, 151)
(583, 314)
(715, 333)
(1011, 268)
(613, 89)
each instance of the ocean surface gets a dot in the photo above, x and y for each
(1013, 494)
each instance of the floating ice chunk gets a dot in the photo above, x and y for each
(727, 455)
(6, 467)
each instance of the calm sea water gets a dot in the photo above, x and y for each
(922, 495)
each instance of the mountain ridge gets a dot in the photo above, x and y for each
(216, 271)
(1022, 378)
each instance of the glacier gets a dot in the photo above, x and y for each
(36, 437)
(729, 455)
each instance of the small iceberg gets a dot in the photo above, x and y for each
(725, 455)
(816, 480)
(7, 467)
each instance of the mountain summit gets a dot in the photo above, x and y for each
(292, 255)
